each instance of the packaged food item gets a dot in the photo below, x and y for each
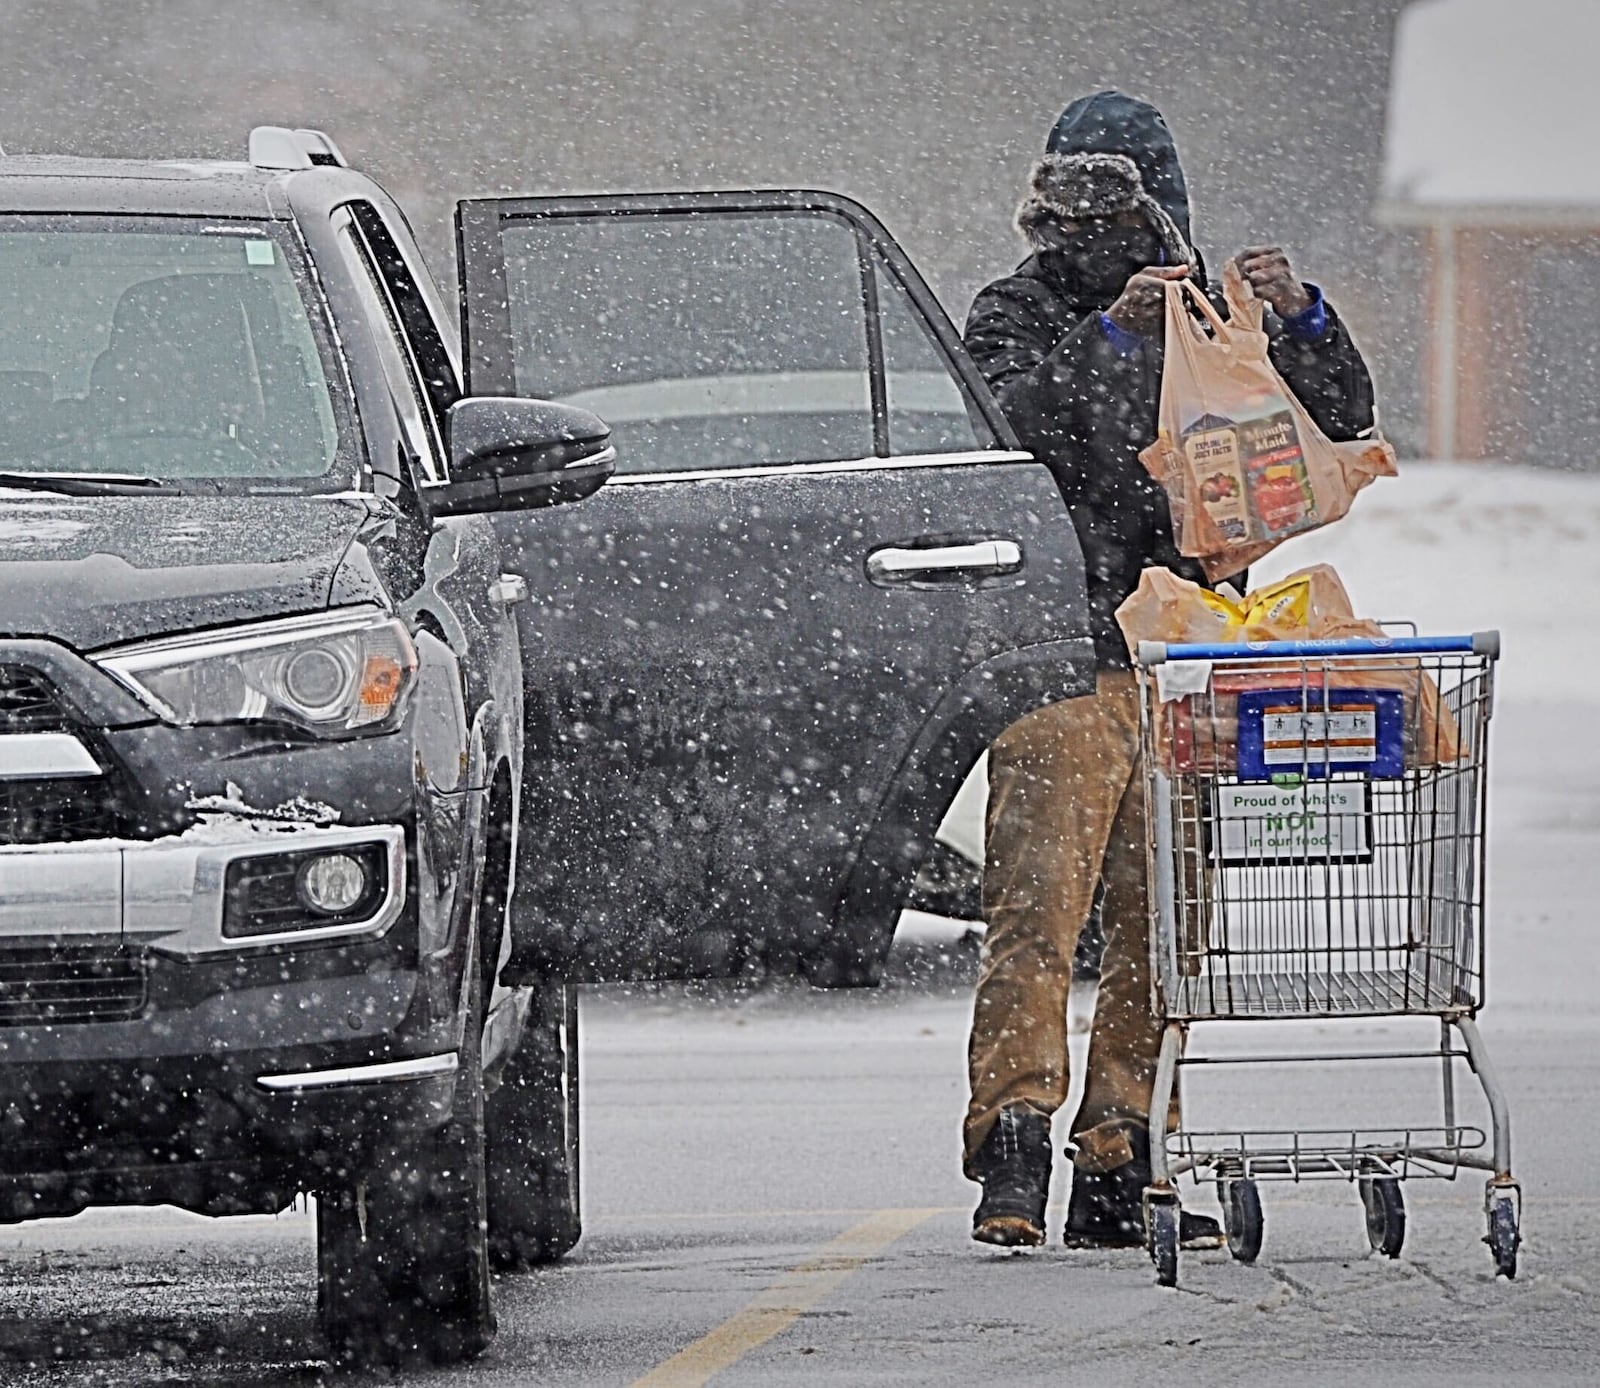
(1224, 613)
(1243, 464)
(1433, 737)
(1296, 607)
(1200, 733)
(1251, 477)
(1282, 607)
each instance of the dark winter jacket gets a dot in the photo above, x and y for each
(1085, 409)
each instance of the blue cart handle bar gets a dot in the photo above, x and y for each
(1484, 643)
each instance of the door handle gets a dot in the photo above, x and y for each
(509, 589)
(982, 559)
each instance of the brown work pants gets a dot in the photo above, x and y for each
(1066, 809)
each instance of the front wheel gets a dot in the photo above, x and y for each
(402, 1247)
(534, 1153)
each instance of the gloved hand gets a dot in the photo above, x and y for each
(1142, 305)
(1267, 271)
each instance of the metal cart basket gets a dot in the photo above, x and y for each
(1316, 815)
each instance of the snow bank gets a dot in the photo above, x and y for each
(1465, 546)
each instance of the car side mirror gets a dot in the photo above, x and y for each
(511, 454)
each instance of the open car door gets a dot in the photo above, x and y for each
(762, 658)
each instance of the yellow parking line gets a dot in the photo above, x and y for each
(734, 1216)
(784, 1301)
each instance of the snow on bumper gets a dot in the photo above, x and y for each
(170, 895)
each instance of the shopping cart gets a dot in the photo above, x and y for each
(1316, 850)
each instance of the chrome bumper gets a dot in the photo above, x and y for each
(167, 895)
(383, 1072)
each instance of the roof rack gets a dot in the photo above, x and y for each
(278, 147)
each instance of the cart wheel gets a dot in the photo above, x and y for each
(1386, 1214)
(1242, 1218)
(1504, 1236)
(1162, 1219)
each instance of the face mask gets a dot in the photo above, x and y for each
(1102, 255)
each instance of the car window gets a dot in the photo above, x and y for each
(422, 432)
(927, 412)
(705, 342)
(430, 358)
(149, 346)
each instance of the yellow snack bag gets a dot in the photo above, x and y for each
(1282, 607)
(1230, 618)
(1296, 607)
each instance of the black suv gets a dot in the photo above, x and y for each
(302, 858)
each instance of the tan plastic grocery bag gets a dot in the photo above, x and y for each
(1310, 604)
(1165, 607)
(1244, 466)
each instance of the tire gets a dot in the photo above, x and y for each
(1386, 1214)
(1163, 1219)
(402, 1246)
(1504, 1236)
(1242, 1218)
(533, 1150)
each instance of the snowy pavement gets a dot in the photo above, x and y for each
(772, 1178)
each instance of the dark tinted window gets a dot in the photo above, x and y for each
(424, 344)
(704, 341)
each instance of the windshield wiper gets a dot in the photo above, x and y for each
(81, 483)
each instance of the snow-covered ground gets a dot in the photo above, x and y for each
(1460, 547)
(731, 1134)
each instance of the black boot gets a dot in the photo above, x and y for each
(1106, 1209)
(1014, 1166)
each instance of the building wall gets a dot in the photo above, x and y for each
(930, 111)
(1527, 342)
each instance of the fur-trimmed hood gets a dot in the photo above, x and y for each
(1082, 187)
(1071, 177)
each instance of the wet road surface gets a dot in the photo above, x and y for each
(773, 1197)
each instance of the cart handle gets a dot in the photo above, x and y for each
(1484, 643)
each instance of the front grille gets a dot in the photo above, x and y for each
(28, 703)
(58, 811)
(45, 987)
(50, 810)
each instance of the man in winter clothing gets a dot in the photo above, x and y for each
(1071, 344)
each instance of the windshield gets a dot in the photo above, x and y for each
(153, 347)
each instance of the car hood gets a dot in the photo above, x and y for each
(96, 571)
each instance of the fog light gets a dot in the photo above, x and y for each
(305, 889)
(332, 883)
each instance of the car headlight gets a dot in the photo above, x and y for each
(334, 672)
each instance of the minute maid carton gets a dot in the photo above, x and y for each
(1251, 475)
